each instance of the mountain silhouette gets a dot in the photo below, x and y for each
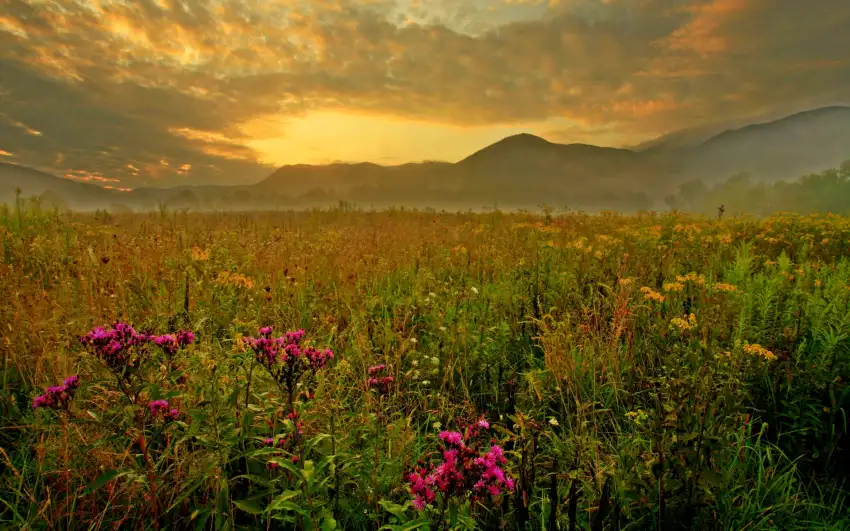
(793, 146)
(518, 171)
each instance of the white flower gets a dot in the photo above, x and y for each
(432, 295)
(442, 329)
(435, 360)
(415, 363)
(553, 421)
(426, 382)
(474, 290)
(437, 425)
(413, 340)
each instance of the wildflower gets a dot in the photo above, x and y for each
(437, 425)
(758, 350)
(167, 342)
(553, 421)
(692, 277)
(200, 255)
(673, 286)
(452, 438)
(651, 295)
(483, 424)
(59, 396)
(684, 324)
(474, 290)
(185, 338)
(379, 383)
(226, 278)
(414, 340)
(376, 369)
(114, 345)
(161, 409)
(285, 358)
(463, 472)
(728, 288)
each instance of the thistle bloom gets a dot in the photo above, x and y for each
(113, 345)
(381, 384)
(463, 472)
(452, 438)
(275, 353)
(375, 369)
(59, 396)
(160, 408)
(171, 343)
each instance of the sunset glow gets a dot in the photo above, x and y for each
(227, 91)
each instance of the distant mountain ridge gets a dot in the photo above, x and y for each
(519, 170)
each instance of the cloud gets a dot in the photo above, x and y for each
(115, 87)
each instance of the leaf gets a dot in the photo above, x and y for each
(290, 506)
(394, 508)
(201, 522)
(248, 506)
(328, 524)
(103, 479)
(281, 499)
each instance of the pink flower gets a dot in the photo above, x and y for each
(452, 438)
(57, 396)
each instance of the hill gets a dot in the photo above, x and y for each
(793, 146)
(33, 182)
(518, 171)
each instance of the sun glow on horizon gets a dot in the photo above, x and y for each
(324, 137)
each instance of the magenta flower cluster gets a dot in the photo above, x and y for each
(463, 471)
(114, 345)
(59, 396)
(161, 409)
(378, 382)
(171, 343)
(284, 356)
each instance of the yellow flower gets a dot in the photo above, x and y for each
(699, 280)
(673, 286)
(722, 286)
(199, 255)
(226, 278)
(651, 295)
(757, 350)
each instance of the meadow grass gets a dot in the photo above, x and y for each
(653, 371)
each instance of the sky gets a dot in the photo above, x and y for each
(138, 93)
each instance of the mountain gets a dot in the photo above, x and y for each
(518, 171)
(793, 146)
(32, 182)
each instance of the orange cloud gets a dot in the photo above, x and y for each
(86, 176)
(701, 34)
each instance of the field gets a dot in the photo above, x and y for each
(484, 371)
